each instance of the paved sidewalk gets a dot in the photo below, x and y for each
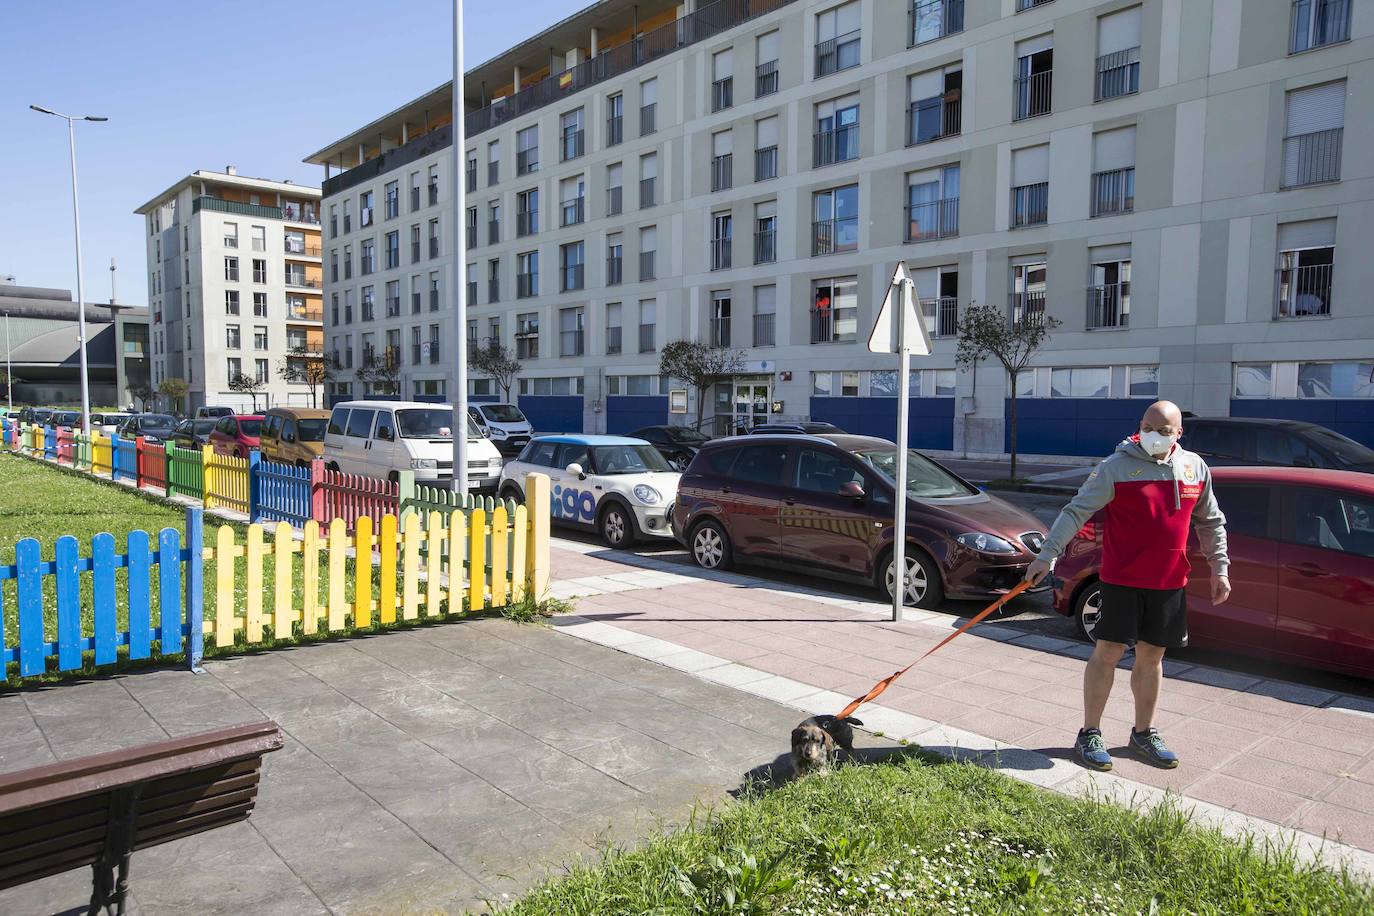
(424, 770)
(1279, 754)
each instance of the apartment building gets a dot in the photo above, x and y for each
(1172, 182)
(234, 286)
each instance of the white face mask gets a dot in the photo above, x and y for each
(1156, 444)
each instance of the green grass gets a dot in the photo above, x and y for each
(917, 836)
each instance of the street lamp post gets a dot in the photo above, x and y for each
(459, 232)
(80, 291)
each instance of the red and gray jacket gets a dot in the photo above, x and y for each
(1149, 503)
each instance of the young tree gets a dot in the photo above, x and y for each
(498, 362)
(700, 366)
(250, 385)
(173, 389)
(383, 372)
(985, 330)
(301, 364)
(142, 392)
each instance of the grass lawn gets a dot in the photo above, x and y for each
(917, 836)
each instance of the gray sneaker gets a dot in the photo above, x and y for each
(1091, 750)
(1148, 746)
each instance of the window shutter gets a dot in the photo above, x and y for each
(927, 282)
(721, 144)
(1119, 31)
(767, 132)
(847, 19)
(1315, 233)
(722, 65)
(767, 208)
(1030, 165)
(1316, 108)
(768, 47)
(1034, 45)
(648, 92)
(926, 85)
(1114, 149)
(1108, 254)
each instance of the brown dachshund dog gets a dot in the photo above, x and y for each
(816, 742)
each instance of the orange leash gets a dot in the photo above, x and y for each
(886, 682)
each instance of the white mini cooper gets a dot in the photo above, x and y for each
(621, 487)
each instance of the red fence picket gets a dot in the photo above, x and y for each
(350, 497)
(152, 465)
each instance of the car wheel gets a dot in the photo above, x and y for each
(332, 466)
(616, 526)
(1086, 611)
(711, 546)
(923, 586)
(679, 462)
(511, 491)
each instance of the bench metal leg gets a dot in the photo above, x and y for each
(110, 878)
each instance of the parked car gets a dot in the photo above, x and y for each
(68, 418)
(505, 424)
(293, 435)
(825, 505)
(153, 427)
(236, 435)
(216, 412)
(678, 444)
(108, 423)
(816, 428)
(193, 433)
(38, 415)
(383, 438)
(1301, 544)
(617, 485)
(1292, 443)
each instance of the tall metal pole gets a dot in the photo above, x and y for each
(460, 312)
(80, 290)
(9, 371)
(900, 299)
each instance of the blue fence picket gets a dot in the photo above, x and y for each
(195, 570)
(283, 492)
(103, 591)
(68, 603)
(169, 590)
(49, 442)
(27, 557)
(140, 607)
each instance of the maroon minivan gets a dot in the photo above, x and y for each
(824, 504)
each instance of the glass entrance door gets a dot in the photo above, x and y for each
(752, 400)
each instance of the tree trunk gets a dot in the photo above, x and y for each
(701, 407)
(1012, 472)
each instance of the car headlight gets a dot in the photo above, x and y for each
(423, 464)
(494, 463)
(647, 495)
(985, 543)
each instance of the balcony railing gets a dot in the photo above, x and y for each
(572, 146)
(1118, 74)
(1316, 23)
(765, 246)
(838, 145)
(934, 119)
(834, 325)
(615, 200)
(765, 79)
(829, 236)
(1113, 191)
(493, 231)
(612, 341)
(493, 289)
(527, 161)
(1034, 95)
(302, 282)
(1028, 308)
(470, 177)
(232, 242)
(722, 172)
(493, 173)
(648, 119)
(646, 265)
(471, 286)
(302, 251)
(934, 219)
(839, 53)
(433, 195)
(1109, 306)
(434, 248)
(647, 187)
(766, 163)
(720, 254)
(1030, 205)
(296, 313)
(615, 271)
(434, 350)
(526, 223)
(414, 252)
(393, 305)
(570, 343)
(763, 330)
(1023, 5)
(526, 285)
(932, 19)
(233, 206)
(573, 211)
(646, 338)
(414, 197)
(615, 130)
(1303, 292)
(571, 278)
(722, 94)
(942, 316)
(1312, 158)
(434, 300)
(720, 332)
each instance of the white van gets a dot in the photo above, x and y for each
(510, 430)
(383, 438)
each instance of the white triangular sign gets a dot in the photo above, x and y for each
(887, 327)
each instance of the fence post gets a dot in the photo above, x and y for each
(138, 462)
(317, 503)
(171, 451)
(537, 551)
(207, 457)
(114, 456)
(254, 484)
(405, 494)
(195, 588)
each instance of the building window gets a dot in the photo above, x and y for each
(231, 269)
(571, 263)
(433, 184)
(393, 250)
(934, 105)
(1034, 77)
(493, 162)
(470, 172)
(573, 201)
(1354, 379)
(333, 221)
(720, 319)
(365, 209)
(231, 236)
(722, 158)
(615, 260)
(260, 305)
(721, 232)
(932, 204)
(837, 39)
(1317, 23)
(1306, 263)
(435, 349)
(1028, 291)
(348, 262)
(766, 148)
(233, 368)
(1109, 288)
(469, 228)
(1113, 179)
(231, 302)
(571, 331)
(648, 179)
(259, 337)
(835, 310)
(494, 280)
(231, 336)
(527, 213)
(1312, 141)
(527, 275)
(648, 107)
(648, 317)
(615, 191)
(615, 119)
(837, 131)
(392, 196)
(259, 238)
(722, 80)
(571, 135)
(434, 290)
(414, 191)
(648, 252)
(368, 303)
(415, 243)
(835, 223)
(938, 290)
(527, 151)
(932, 19)
(765, 316)
(393, 298)
(527, 336)
(367, 257)
(1081, 382)
(1143, 382)
(766, 68)
(1030, 192)
(613, 328)
(766, 232)
(433, 239)
(348, 306)
(493, 222)
(1118, 49)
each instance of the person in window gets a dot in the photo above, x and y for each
(1152, 490)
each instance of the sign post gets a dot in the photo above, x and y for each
(904, 334)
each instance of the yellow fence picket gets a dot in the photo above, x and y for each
(434, 563)
(537, 551)
(362, 572)
(310, 548)
(517, 555)
(252, 560)
(457, 541)
(283, 607)
(499, 534)
(338, 556)
(224, 587)
(410, 568)
(386, 576)
(477, 561)
(209, 477)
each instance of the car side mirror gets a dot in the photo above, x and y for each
(852, 490)
(289, 437)
(576, 470)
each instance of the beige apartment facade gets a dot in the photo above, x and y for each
(1186, 186)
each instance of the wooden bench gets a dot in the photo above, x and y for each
(97, 810)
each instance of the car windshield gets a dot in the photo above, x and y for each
(156, 421)
(1346, 450)
(684, 434)
(628, 459)
(503, 413)
(430, 423)
(250, 428)
(203, 427)
(924, 478)
(311, 430)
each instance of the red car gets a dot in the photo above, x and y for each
(235, 435)
(1302, 570)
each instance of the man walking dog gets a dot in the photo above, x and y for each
(1151, 489)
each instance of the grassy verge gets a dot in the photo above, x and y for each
(917, 836)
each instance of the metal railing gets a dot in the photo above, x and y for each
(433, 247)
(233, 206)
(720, 254)
(570, 343)
(471, 286)
(615, 271)
(722, 172)
(765, 246)
(573, 211)
(1109, 306)
(493, 231)
(934, 219)
(1317, 23)
(829, 236)
(1113, 191)
(434, 351)
(928, 20)
(433, 194)
(572, 145)
(1312, 158)
(527, 161)
(646, 265)
(1303, 291)
(526, 285)
(720, 332)
(942, 315)
(302, 282)
(1118, 74)
(646, 192)
(838, 53)
(648, 119)
(764, 326)
(646, 338)
(615, 130)
(1028, 308)
(571, 277)
(414, 252)
(615, 200)
(1023, 5)
(470, 177)
(305, 251)
(612, 340)
(527, 346)
(296, 313)
(414, 201)
(1034, 95)
(765, 79)
(838, 145)
(1030, 204)
(834, 325)
(493, 289)
(766, 163)
(526, 223)
(493, 173)
(722, 94)
(933, 119)
(393, 306)
(434, 300)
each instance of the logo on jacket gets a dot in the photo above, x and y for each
(1189, 473)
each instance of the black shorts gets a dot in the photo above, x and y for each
(1153, 615)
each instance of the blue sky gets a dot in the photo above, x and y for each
(187, 87)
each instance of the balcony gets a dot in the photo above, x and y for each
(830, 236)
(1303, 291)
(299, 281)
(570, 343)
(721, 172)
(1118, 74)
(934, 219)
(615, 130)
(765, 246)
(646, 338)
(1028, 308)
(766, 163)
(526, 285)
(1313, 158)
(648, 119)
(526, 223)
(615, 271)
(615, 198)
(1023, 5)
(572, 146)
(1034, 95)
(838, 145)
(304, 313)
(1030, 205)
(295, 250)
(612, 341)
(233, 206)
(573, 211)
(646, 265)
(720, 254)
(1109, 306)
(722, 94)
(1318, 23)
(834, 325)
(839, 53)
(764, 330)
(647, 187)
(720, 332)
(571, 278)
(932, 19)
(1113, 192)
(941, 315)
(493, 231)
(934, 119)
(527, 161)
(765, 79)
